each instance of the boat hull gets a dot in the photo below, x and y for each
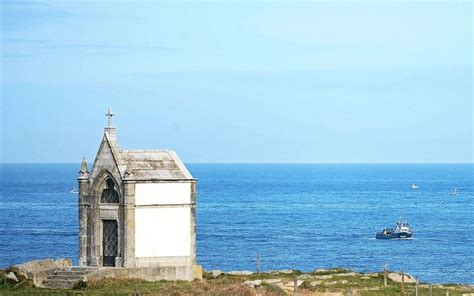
(393, 235)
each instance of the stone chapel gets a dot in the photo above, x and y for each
(137, 211)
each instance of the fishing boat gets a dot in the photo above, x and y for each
(414, 186)
(73, 190)
(401, 231)
(454, 192)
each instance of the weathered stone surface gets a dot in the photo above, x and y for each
(372, 274)
(346, 274)
(271, 281)
(42, 265)
(169, 273)
(304, 276)
(315, 283)
(284, 271)
(292, 283)
(216, 273)
(11, 277)
(126, 168)
(66, 278)
(244, 272)
(253, 283)
(397, 277)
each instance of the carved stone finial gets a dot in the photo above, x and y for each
(83, 171)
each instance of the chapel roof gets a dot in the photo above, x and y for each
(154, 165)
(139, 165)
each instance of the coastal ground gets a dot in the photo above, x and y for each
(320, 282)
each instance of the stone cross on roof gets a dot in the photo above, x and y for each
(109, 114)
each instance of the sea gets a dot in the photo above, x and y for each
(292, 216)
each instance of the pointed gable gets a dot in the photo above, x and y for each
(108, 157)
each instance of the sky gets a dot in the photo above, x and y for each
(243, 81)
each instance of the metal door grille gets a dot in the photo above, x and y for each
(110, 242)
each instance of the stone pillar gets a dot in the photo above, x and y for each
(129, 222)
(193, 222)
(84, 205)
(196, 268)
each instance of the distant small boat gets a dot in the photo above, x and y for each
(402, 231)
(414, 186)
(454, 192)
(73, 190)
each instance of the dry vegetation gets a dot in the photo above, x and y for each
(327, 282)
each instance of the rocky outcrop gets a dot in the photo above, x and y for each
(397, 277)
(46, 264)
(216, 273)
(39, 270)
(240, 272)
(11, 278)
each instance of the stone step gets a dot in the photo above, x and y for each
(64, 277)
(77, 268)
(60, 283)
(72, 273)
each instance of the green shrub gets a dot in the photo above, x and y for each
(79, 285)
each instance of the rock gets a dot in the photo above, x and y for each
(346, 274)
(373, 274)
(304, 276)
(291, 284)
(284, 271)
(253, 283)
(315, 283)
(344, 282)
(41, 265)
(397, 277)
(216, 273)
(271, 281)
(11, 277)
(240, 272)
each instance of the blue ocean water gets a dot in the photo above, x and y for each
(295, 216)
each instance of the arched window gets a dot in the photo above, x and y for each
(109, 195)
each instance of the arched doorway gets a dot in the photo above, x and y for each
(109, 242)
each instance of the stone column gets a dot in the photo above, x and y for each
(84, 205)
(193, 222)
(195, 267)
(129, 221)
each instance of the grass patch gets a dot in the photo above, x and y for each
(233, 285)
(272, 290)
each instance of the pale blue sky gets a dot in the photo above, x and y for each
(246, 81)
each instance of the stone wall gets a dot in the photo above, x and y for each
(170, 273)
